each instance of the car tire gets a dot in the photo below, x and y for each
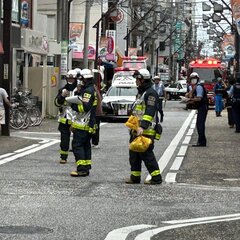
(168, 96)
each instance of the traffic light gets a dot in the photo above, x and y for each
(162, 46)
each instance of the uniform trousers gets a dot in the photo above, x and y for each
(236, 115)
(65, 133)
(149, 159)
(82, 149)
(201, 120)
(218, 103)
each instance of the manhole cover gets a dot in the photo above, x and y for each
(24, 230)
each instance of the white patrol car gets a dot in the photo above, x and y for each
(118, 101)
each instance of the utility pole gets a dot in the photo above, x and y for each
(86, 32)
(170, 59)
(6, 74)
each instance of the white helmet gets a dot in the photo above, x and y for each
(156, 78)
(145, 74)
(78, 71)
(86, 73)
(194, 75)
(71, 74)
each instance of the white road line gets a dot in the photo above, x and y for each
(190, 132)
(203, 219)
(170, 178)
(177, 163)
(122, 233)
(149, 234)
(6, 155)
(193, 125)
(187, 140)
(26, 148)
(38, 148)
(167, 155)
(182, 150)
(41, 133)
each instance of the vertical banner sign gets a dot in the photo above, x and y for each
(228, 45)
(64, 57)
(26, 13)
(111, 36)
(236, 13)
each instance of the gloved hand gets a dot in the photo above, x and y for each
(65, 93)
(139, 131)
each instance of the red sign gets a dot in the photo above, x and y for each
(110, 45)
(117, 15)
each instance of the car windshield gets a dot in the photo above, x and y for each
(122, 91)
(124, 75)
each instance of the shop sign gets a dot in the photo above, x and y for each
(236, 13)
(111, 39)
(34, 41)
(26, 14)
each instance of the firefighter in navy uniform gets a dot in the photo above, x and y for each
(83, 125)
(234, 92)
(145, 108)
(65, 110)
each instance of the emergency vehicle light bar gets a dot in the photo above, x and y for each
(134, 58)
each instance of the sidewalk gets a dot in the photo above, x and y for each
(219, 162)
(10, 144)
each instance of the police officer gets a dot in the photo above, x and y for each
(219, 90)
(65, 117)
(83, 126)
(198, 96)
(234, 92)
(160, 89)
(145, 108)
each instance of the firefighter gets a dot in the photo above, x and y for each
(83, 125)
(145, 108)
(65, 110)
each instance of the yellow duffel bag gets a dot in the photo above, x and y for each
(140, 144)
(132, 123)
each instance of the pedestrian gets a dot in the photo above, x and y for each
(145, 108)
(198, 97)
(65, 116)
(96, 135)
(158, 86)
(219, 90)
(234, 92)
(83, 123)
(3, 100)
(229, 104)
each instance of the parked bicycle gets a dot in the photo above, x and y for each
(25, 111)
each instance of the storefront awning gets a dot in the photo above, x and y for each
(79, 55)
(1, 48)
(34, 50)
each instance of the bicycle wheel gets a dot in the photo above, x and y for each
(16, 120)
(39, 116)
(24, 112)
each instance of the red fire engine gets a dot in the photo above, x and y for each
(209, 70)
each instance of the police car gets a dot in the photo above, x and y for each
(176, 90)
(118, 101)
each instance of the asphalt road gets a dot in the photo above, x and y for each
(40, 200)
